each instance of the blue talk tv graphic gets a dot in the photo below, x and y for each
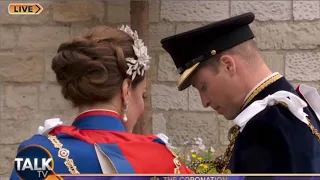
(34, 162)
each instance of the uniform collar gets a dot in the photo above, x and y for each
(259, 84)
(99, 120)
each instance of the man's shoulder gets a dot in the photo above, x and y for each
(279, 140)
(278, 123)
(273, 120)
(276, 116)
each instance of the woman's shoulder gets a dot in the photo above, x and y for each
(147, 145)
(40, 138)
(35, 140)
(160, 138)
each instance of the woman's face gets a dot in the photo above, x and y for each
(135, 105)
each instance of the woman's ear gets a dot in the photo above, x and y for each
(126, 89)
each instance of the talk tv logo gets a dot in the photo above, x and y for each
(34, 162)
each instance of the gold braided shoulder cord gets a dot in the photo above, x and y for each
(64, 154)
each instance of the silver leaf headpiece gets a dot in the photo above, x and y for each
(140, 65)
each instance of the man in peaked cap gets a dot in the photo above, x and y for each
(276, 127)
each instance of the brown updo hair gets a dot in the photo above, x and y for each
(92, 68)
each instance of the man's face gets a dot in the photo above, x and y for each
(217, 90)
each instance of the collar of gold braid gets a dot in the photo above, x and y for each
(221, 162)
(260, 88)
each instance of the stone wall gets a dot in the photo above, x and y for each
(287, 32)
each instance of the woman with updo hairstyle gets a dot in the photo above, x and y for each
(103, 75)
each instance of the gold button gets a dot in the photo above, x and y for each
(213, 52)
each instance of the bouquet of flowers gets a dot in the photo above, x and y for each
(197, 157)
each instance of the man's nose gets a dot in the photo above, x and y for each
(205, 101)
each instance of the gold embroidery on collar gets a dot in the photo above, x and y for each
(260, 88)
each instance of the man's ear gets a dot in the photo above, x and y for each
(228, 64)
(126, 87)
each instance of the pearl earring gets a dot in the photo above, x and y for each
(125, 110)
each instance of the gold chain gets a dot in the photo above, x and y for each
(176, 162)
(313, 129)
(228, 154)
(64, 154)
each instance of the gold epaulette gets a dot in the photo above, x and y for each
(64, 154)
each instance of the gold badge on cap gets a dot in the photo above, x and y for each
(213, 52)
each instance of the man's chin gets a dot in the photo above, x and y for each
(223, 113)
(228, 117)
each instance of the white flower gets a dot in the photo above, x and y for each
(212, 149)
(202, 147)
(140, 65)
(188, 158)
(193, 151)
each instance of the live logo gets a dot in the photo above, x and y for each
(24, 9)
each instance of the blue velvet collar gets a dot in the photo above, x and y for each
(99, 120)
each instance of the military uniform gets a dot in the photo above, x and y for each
(97, 143)
(276, 131)
(274, 140)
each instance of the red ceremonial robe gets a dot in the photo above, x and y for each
(129, 153)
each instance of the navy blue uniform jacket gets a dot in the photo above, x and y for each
(275, 141)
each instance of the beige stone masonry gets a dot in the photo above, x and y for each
(287, 32)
